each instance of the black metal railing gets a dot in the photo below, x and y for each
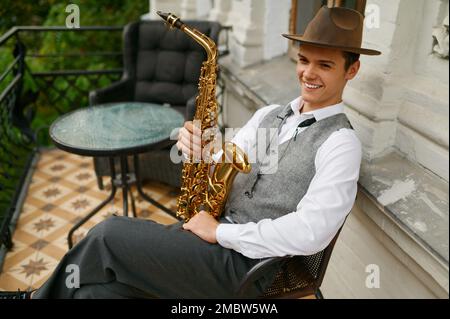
(32, 97)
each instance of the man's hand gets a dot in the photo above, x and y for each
(196, 144)
(190, 140)
(204, 226)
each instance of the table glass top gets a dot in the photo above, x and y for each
(114, 127)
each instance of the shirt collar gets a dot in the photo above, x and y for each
(319, 114)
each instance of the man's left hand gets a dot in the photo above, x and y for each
(204, 226)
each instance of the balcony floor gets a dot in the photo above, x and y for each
(64, 189)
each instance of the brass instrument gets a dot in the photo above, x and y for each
(199, 190)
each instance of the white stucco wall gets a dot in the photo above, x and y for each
(424, 115)
(276, 22)
(400, 99)
(220, 11)
(195, 9)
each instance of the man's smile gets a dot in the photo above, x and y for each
(312, 86)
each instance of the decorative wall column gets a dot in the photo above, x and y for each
(247, 41)
(397, 95)
(195, 9)
(257, 28)
(220, 11)
(188, 9)
(375, 109)
(276, 22)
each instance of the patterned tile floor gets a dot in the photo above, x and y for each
(62, 190)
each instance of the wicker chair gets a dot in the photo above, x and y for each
(296, 276)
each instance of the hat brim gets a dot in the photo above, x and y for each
(301, 39)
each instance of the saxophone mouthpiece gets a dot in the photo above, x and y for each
(163, 15)
(171, 19)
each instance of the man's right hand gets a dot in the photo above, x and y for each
(190, 140)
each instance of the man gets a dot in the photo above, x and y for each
(293, 210)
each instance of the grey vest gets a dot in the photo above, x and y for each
(257, 196)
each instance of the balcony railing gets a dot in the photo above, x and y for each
(36, 86)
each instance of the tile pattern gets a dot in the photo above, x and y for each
(63, 189)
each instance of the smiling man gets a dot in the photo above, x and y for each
(299, 209)
(294, 210)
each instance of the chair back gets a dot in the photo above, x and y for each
(301, 276)
(164, 64)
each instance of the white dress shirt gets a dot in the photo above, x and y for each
(322, 210)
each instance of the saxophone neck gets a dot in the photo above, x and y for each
(208, 44)
(204, 41)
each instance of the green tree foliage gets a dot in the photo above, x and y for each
(18, 13)
(73, 50)
(69, 50)
(52, 12)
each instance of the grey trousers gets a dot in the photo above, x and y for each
(125, 257)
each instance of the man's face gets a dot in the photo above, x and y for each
(322, 75)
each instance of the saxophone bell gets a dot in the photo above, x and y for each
(234, 161)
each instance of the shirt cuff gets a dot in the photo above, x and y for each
(227, 235)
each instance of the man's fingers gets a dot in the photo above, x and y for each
(190, 139)
(190, 224)
(188, 148)
(196, 148)
(188, 126)
(191, 128)
(187, 138)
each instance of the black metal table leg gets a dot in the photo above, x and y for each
(96, 209)
(129, 181)
(133, 205)
(145, 196)
(124, 183)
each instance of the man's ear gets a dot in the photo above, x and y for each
(353, 70)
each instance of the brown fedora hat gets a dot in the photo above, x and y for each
(336, 27)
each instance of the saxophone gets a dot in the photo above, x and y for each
(201, 189)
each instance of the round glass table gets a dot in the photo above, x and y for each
(114, 131)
